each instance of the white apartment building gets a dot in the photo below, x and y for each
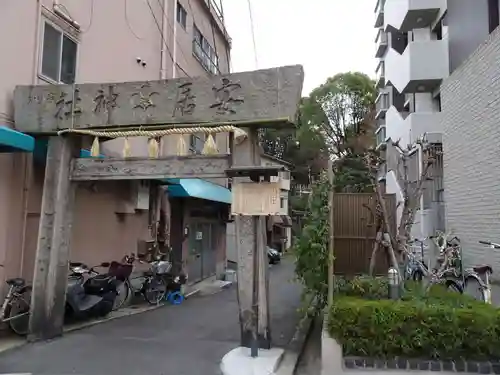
(412, 52)
(438, 74)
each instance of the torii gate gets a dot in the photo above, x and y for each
(240, 102)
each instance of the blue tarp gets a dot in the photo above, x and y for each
(197, 188)
(14, 141)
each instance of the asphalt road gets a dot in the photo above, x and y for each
(188, 339)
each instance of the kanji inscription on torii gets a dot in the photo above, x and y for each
(267, 97)
(225, 97)
(64, 106)
(185, 103)
(105, 100)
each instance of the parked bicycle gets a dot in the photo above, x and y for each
(150, 283)
(449, 269)
(15, 310)
(413, 267)
(444, 273)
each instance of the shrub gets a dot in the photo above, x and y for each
(438, 294)
(415, 329)
(311, 247)
(368, 287)
(362, 286)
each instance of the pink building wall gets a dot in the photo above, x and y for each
(109, 42)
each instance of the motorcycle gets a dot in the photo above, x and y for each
(92, 297)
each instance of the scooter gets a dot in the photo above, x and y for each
(90, 298)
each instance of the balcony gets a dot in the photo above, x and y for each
(380, 136)
(380, 75)
(381, 105)
(379, 13)
(409, 127)
(381, 42)
(421, 68)
(406, 15)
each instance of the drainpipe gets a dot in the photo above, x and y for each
(174, 53)
(163, 51)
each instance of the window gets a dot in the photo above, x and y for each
(282, 202)
(59, 54)
(204, 52)
(181, 15)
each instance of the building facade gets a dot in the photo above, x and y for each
(412, 49)
(444, 61)
(471, 113)
(71, 41)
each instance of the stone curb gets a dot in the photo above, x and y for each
(474, 367)
(295, 347)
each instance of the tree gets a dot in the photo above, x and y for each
(343, 109)
(339, 107)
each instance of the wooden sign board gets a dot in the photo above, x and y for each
(268, 97)
(256, 199)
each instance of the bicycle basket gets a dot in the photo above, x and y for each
(119, 270)
(161, 267)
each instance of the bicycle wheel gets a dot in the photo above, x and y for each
(123, 291)
(475, 287)
(155, 290)
(418, 276)
(19, 315)
(454, 286)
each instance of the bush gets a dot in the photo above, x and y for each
(311, 247)
(415, 328)
(438, 294)
(377, 288)
(362, 286)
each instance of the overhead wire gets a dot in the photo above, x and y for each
(252, 29)
(127, 21)
(82, 30)
(163, 38)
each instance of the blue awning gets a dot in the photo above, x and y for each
(13, 141)
(197, 188)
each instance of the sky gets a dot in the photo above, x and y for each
(325, 36)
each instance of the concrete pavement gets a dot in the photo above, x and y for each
(188, 339)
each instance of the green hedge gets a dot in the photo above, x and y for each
(362, 286)
(416, 328)
(376, 288)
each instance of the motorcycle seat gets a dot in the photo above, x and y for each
(483, 268)
(16, 281)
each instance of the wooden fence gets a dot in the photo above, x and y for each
(355, 232)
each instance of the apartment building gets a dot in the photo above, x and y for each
(471, 113)
(412, 52)
(443, 57)
(73, 41)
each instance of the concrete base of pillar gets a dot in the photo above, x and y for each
(239, 362)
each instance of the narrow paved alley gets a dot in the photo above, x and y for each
(188, 339)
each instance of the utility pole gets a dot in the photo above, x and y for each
(331, 216)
